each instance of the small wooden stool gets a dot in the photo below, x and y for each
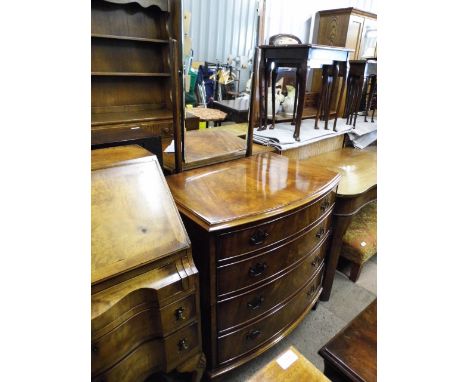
(209, 115)
(291, 366)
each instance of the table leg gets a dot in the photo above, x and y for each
(296, 95)
(340, 99)
(358, 100)
(340, 225)
(266, 76)
(322, 96)
(330, 94)
(371, 95)
(300, 106)
(274, 74)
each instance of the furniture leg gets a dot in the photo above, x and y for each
(332, 91)
(296, 95)
(358, 100)
(349, 98)
(355, 271)
(266, 73)
(194, 365)
(322, 95)
(373, 82)
(274, 73)
(342, 70)
(300, 106)
(316, 305)
(340, 225)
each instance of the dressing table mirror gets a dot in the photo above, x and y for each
(207, 43)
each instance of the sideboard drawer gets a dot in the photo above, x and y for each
(239, 310)
(177, 314)
(256, 269)
(247, 339)
(113, 133)
(251, 239)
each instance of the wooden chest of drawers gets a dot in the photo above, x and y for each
(259, 228)
(144, 285)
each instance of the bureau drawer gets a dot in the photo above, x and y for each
(251, 239)
(247, 339)
(177, 314)
(181, 345)
(238, 310)
(256, 269)
(137, 130)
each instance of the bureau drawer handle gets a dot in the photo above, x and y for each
(256, 303)
(325, 204)
(94, 348)
(179, 313)
(258, 237)
(316, 261)
(253, 334)
(183, 344)
(135, 128)
(257, 269)
(312, 290)
(320, 233)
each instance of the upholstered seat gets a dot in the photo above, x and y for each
(360, 239)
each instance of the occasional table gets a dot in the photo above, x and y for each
(237, 109)
(299, 56)
(352, 354)
(358, 187)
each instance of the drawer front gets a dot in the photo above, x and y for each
(116, 344)
(254, 238)
(260, 267)
(239, 310)
(177, 314)
(245, 340)
(180, 345)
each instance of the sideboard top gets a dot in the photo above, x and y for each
(248, 189)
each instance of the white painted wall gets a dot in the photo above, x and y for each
(297, 16)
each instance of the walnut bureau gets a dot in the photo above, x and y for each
(144, 284)
(259, 227)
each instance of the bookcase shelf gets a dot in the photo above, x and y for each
(129, 38)
(129, 74)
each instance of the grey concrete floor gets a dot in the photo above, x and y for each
(347, 300)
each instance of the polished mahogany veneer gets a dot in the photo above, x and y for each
(144, 285)
(259, 227)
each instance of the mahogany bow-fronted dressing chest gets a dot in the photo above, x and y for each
(144, 284)
(259, 227)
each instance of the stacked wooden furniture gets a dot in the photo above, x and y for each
(144, 284)
(135, 79)
(345, 27)
(259, 227)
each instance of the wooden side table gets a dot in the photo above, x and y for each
(237, 110)
(352, 354)
(299, 56)
(358, 187)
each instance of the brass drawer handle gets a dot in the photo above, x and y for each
(257, 269)
(325, 204)
(183, 344)
(253, 334)
(258, 237)
(179, 313)
(320, 232)
(316, 261)
(256, 303)
(312, 290)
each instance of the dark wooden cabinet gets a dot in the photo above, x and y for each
(132, 68)
(259, 228)
(145, 314)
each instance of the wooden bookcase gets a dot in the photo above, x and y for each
(133, 78)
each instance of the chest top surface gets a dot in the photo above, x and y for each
(248, 189)
(134, 220)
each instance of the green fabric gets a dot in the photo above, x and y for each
(360, 239)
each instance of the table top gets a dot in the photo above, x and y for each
(358, 168)
(290, 366)
(207, 114)
(248, 189)
(239, 104)
(353, 350)
(134, 220)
